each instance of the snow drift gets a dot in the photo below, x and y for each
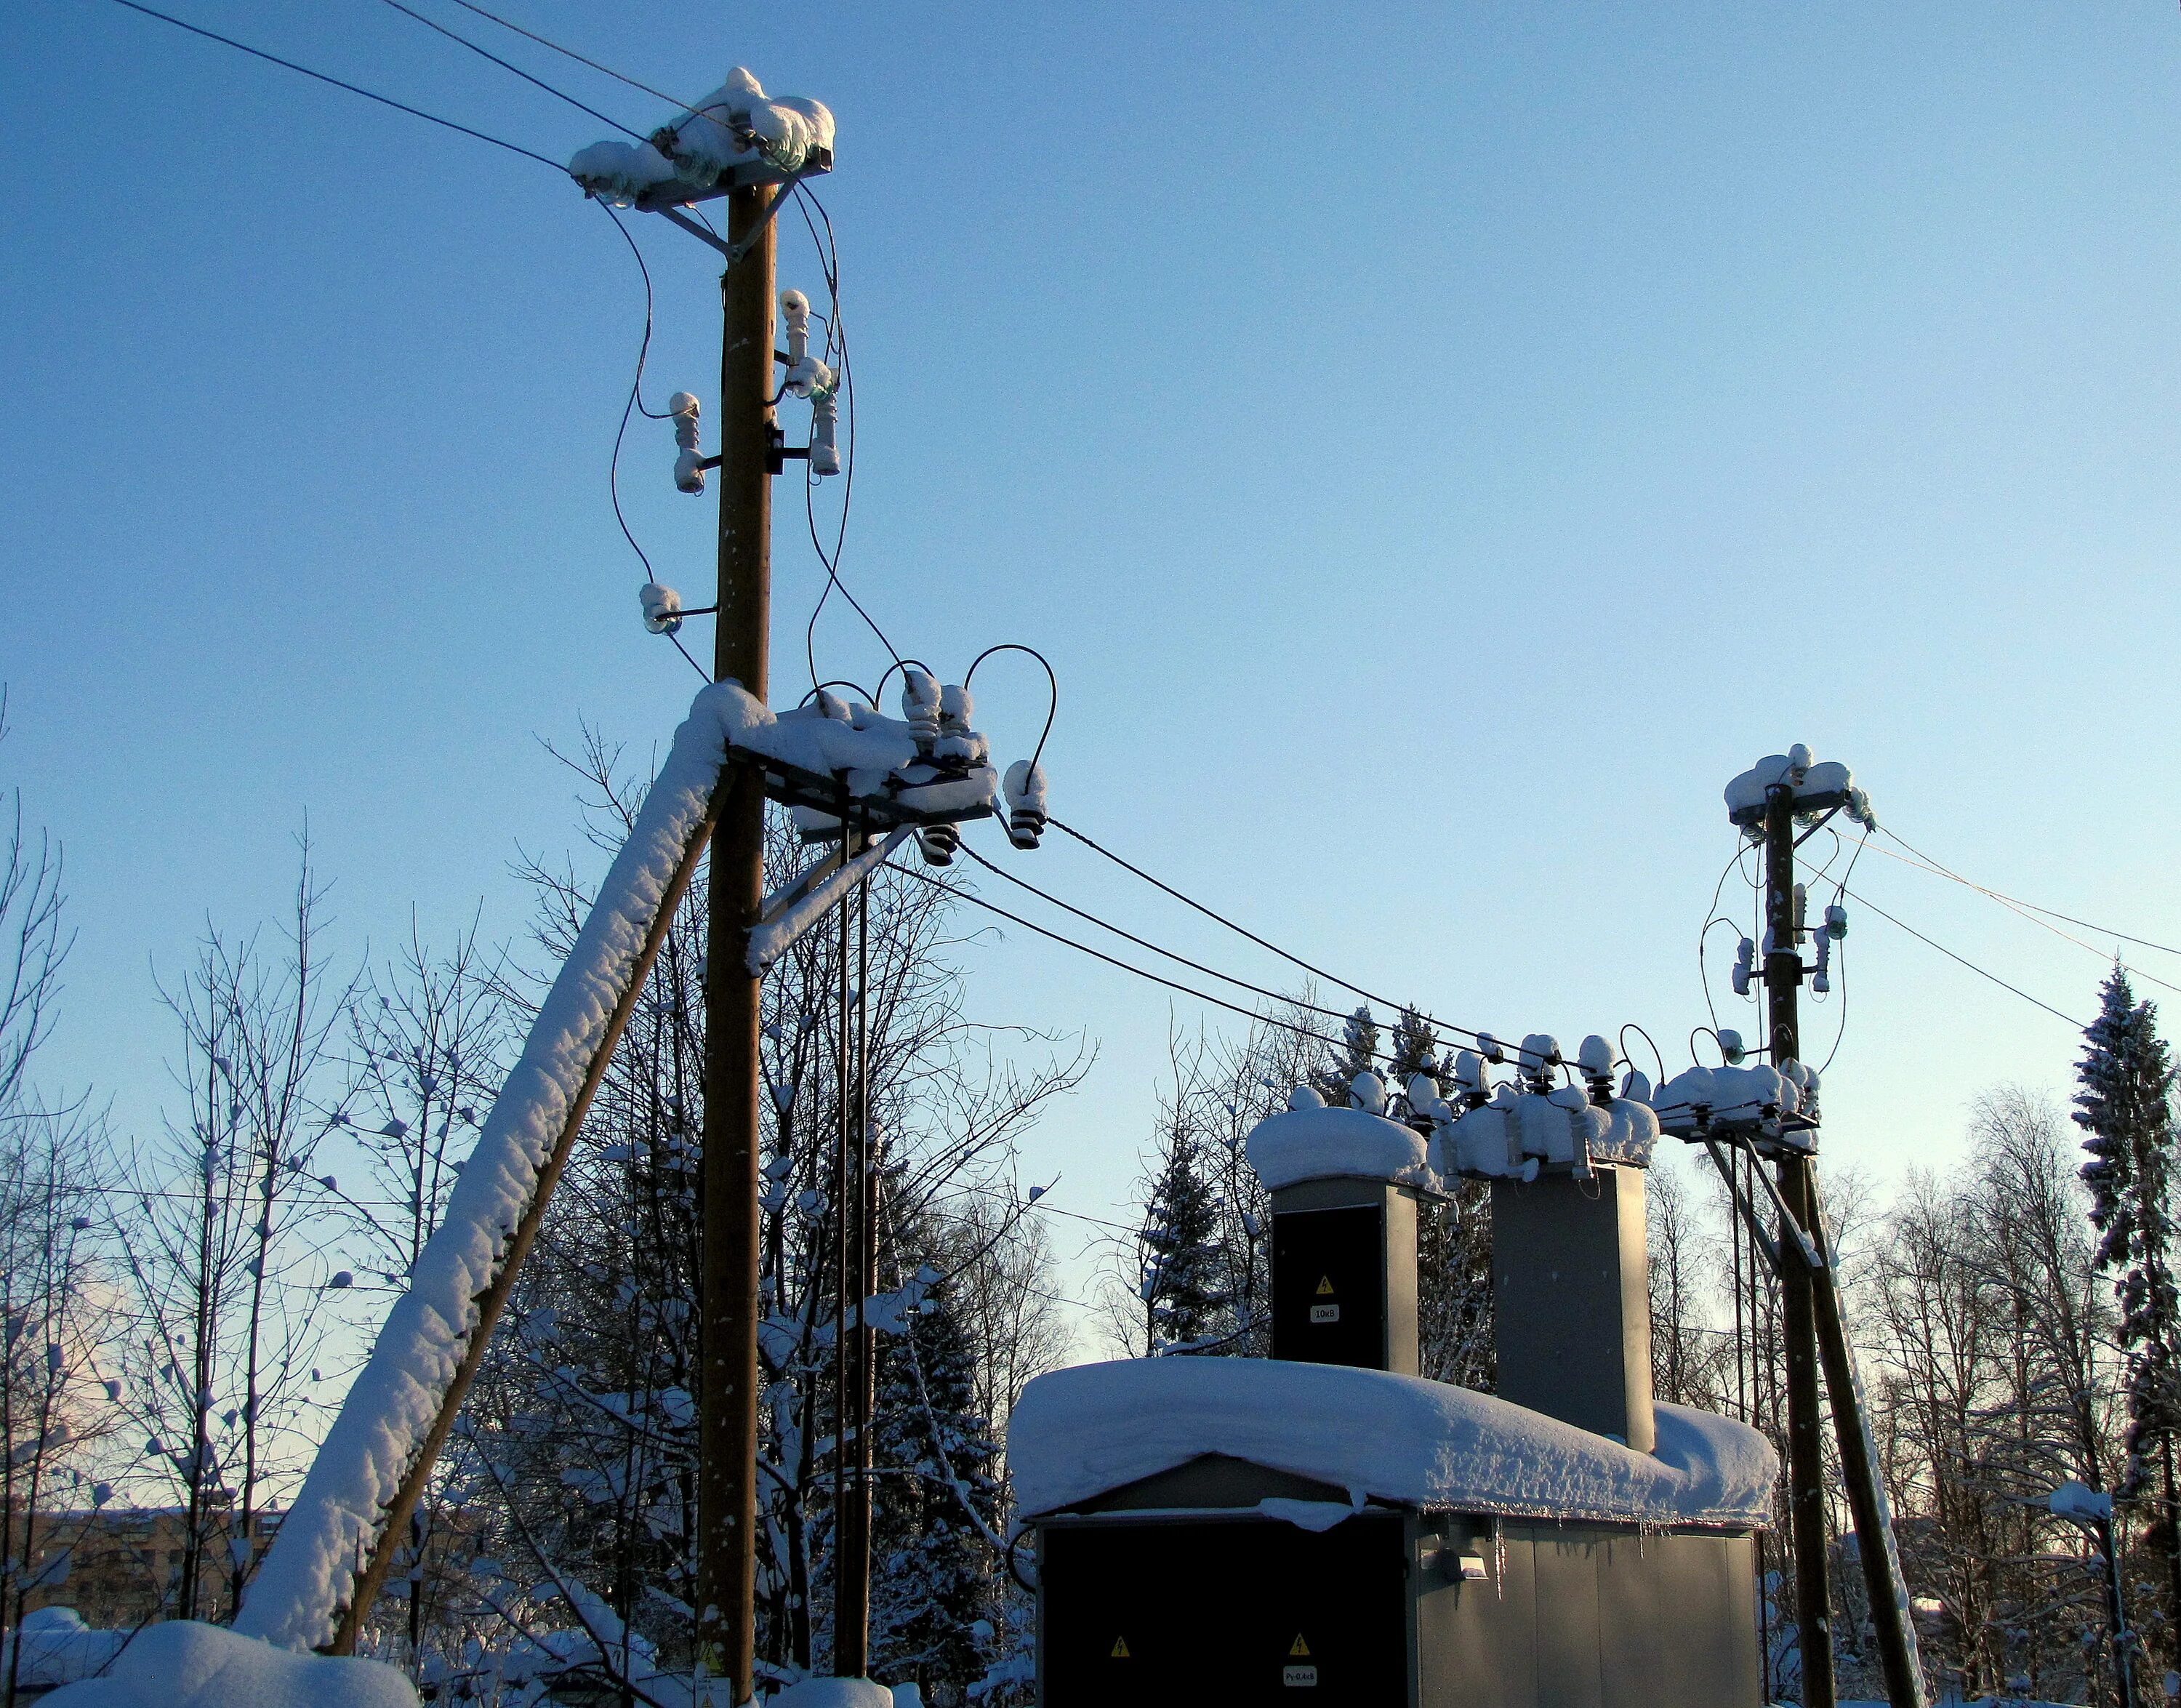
(1078, 1433)
(184, 1664)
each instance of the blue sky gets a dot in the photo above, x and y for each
(1438, 446)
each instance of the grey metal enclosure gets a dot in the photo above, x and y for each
(1327, 1526)
(1179, 1589)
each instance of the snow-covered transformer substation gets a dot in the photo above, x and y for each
(1328, 1525)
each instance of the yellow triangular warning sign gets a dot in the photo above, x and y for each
(1301, 1647)
(1121, 1647)
(1325, 1285)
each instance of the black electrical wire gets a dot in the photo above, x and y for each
(338, 83)
(1146, 943)
(1261, 942)
(836, 341)
(1053, 705)
(2016, 901)
(1865, 901)
(569, 53)
(535, 82)
(1141, 972)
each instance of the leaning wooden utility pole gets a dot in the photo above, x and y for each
(1814, 1330)
(1806, 1467)
(726, 1448)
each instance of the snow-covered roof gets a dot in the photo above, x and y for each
(1081, 1432)
(1324, 1144)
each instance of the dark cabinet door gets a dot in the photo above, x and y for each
(1330, 1286)
(1250, 1612)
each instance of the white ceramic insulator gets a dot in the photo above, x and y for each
(956, 709)
(689, 472)
(662, 608)
(795, 318)
(825, 421)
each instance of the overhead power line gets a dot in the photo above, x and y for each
(535, 82)
(1293, 959)
(2016, 902)
(569, 53)
(1981, 972)
(338, 83)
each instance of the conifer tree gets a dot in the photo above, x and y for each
(937, 1600)
(1356, 1053)
(2125, 1105)
(1186, 1303)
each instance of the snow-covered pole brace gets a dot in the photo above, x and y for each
(333, 1551)
(779, 930)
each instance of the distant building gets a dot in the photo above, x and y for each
(125, 1562)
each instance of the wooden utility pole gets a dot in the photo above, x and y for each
(1806, 1470)
(726, 1451)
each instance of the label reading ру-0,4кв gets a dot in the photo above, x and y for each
(1305, 1674)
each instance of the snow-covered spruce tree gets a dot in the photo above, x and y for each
(2125, 1105)
(1181, 1270)
(1454, 1239)
(1356, 1053)
(938, 1589)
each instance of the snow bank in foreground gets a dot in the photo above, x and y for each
(835, 1693)
(309, 1574)
(57, 1647)
(183, 1664)
(1080, 1432)
(1307, 1144)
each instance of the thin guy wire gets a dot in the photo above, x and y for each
(352, 88)
(546, 41)
(1865, 901)
(536, 82)
(2016, 901)
(2028, 911)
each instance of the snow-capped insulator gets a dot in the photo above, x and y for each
(1541, 1055)
(1424, 1104)
(1730, 1046)
(1305, 1097)
(1026, 814)
(824, 425)
(919, 705)
(1799, 761)
(1472, 1079)
(662, 608)
(1367, 1091)
(1801, 909)
(1835, 921)
(1636, 1086)
(795, 321)
(1491, 1049)
(1745, 963)
(682, 410)
(1821, 975)
(937, 842)
(1858, 807)
(956, 709)
(1594, 1061)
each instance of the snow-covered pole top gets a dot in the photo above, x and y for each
(735, 137)
(1817, 789)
